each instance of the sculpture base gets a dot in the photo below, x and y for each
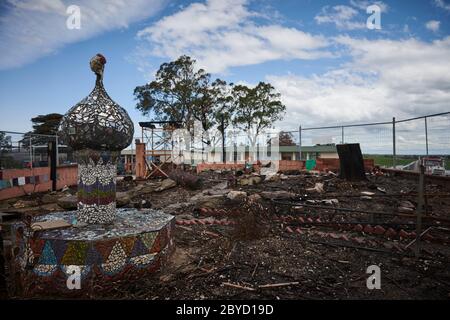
(136, 244)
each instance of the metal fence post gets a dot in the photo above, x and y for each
(342, 133)
(57, 150)
(31, 154)
(299, 142)
(426, 134)
(393, 144)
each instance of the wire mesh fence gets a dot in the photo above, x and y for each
(24, 150)
(393, 143)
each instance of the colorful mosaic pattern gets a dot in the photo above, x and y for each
(96, 186)
(125, 248)
(21, 181)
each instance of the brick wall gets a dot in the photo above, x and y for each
(334, 165)
(327, 164)
(18, 182)
(291, 165)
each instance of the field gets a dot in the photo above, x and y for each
(386, 160)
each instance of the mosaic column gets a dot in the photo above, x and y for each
(96, 186)
(97, 129)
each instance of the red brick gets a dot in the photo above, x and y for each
(403, 234)
(368, 229)
(379, 230)
(390, 233)
(333, 235)
(412, 235)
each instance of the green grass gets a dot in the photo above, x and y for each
(386, 160)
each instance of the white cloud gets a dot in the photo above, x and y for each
(442, 4)
(385, 78)
(433, 25)
(30, 29)
(342, 16)
(222, 34)
(363, 4)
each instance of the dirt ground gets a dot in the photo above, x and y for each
(239, 261)
(298, 246)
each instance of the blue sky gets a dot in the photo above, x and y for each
(328, 66)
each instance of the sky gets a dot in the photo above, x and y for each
(329, 67)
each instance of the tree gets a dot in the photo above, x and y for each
(178, 93)
(5, 142)
(6, 160)
(45, 125)
(286, 139)
(256, 108)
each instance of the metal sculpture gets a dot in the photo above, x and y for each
(97, 129)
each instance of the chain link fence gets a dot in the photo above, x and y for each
(395, 143)
(24, 150)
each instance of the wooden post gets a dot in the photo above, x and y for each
(351, 162)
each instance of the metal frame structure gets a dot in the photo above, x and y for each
(157, 136)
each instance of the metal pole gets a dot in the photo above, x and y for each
(342, 132)
(419, 209)
(224, 152)
(300, 143)
(393, 144)
(31, 154)
(57, 150)
(426, 134)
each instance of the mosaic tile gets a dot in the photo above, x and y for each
(148, 239)
(75, 253)
(143, 260)
(59, 248)
(94, 257)
(47, 256)
(104, 248)
(127, 244)
(37, 245)
(45, 269)
(116, 260)
(21, 181)
(138, 249)
(3, 184)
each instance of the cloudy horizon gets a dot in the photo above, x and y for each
(328, 66)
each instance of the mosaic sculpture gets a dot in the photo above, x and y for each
(97, 129)
(108, 246)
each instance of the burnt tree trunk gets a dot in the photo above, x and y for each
(351, 162)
